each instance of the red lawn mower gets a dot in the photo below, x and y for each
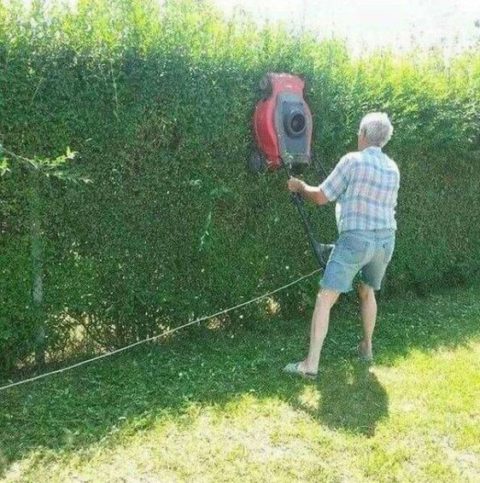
(283, 131)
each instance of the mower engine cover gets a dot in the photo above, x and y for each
(282, 124)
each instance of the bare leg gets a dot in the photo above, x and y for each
(320, 319)
(368, 308)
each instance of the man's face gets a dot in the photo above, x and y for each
(361, 141)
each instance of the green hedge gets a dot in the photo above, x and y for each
(158, 103)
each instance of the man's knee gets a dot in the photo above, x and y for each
(365, 292)
(327, 297)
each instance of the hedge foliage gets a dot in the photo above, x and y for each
(157, 101)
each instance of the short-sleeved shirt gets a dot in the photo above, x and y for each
(365, 185)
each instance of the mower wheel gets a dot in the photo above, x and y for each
(266, 87)
(257, 163)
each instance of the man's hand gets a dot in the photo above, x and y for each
(312, 193)
(296, 185)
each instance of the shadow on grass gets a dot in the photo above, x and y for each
(132, 391)
(353, 400)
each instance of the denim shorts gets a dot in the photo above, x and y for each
(367, 252)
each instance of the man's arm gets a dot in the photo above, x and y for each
(312, 193)
(333, 187)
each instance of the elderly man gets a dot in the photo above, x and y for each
(365, 185)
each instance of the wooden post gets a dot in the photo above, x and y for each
(37, 267)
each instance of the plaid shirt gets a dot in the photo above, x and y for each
(365, 185)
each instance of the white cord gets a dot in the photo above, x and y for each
(163, 334)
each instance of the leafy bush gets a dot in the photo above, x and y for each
(157, 101)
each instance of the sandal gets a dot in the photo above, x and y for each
(294, 368)
(362, 356)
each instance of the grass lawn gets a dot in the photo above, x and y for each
(213, 405)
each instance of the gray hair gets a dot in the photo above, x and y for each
(377, 128)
